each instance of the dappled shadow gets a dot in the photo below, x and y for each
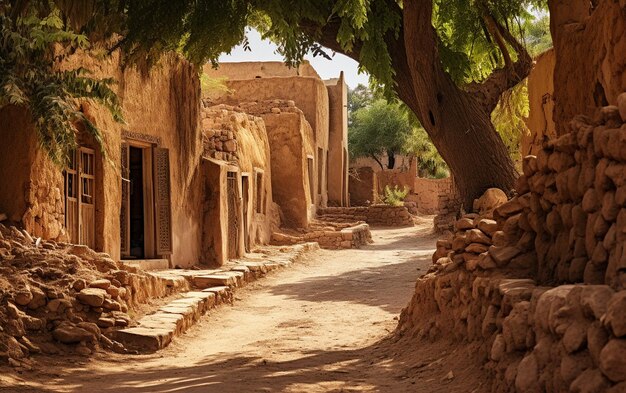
(395, 267)
(388, 365)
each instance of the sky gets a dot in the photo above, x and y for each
(264, 50)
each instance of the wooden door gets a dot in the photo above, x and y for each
(86, 202)
(245, 184)
(80, 211)
(162, 202)
(233, 216)
(71, 199)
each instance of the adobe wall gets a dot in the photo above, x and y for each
(291, 142)
(538, 284)
(338, 142)
(540, 120)
(242, 140)
(590, 49)
(309, 95)
(434, 196)
(363, 189)
(258, 69)
(161, 107)
(214, 212)
(32, 187)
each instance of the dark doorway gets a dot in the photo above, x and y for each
(246, 197)
(233, 214)
(137, 229)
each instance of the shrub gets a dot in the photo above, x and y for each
(395, 196)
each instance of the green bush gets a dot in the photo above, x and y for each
(395, 196)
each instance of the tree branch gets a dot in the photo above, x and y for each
(488, 92)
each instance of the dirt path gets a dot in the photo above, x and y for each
(322, 325)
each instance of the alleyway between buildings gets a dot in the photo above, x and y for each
(325, 324)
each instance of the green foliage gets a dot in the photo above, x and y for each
(378, 128)
(30, 47)
(508, 119)
(429, 162)
(468, 51)
(395, 196)
(213, 88)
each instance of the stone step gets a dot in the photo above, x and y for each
(157, 330)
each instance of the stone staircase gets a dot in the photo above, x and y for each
(209, 289)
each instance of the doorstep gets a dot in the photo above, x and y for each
(147, 264)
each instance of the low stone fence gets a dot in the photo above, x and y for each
(380, 215)
(539, 282)
(350, 237)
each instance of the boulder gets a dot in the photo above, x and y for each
(616, 314)
(93, 297)
(613, 360)
(68, 334)
(491, 199)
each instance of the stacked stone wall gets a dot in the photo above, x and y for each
(351, 237)
(380, 215)
(540, 280)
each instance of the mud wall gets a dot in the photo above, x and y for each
(242, 139)
(590, 49)
(363, 190)
(540, 120)
(32, 187)
(160, 107)
(540, 281)
(291, 145)
(309, 95)
(337, 165)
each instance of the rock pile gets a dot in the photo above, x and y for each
(494, 281)
(58, 297)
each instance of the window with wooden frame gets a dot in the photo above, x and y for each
(79, 179)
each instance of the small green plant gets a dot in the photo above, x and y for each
(395, 196)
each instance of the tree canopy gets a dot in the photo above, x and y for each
(448, 60)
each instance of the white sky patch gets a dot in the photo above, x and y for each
(264, 50)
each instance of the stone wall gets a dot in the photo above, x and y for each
(379, 215)
(354, 236)
(495, 281)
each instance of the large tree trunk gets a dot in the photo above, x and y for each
(391, 159)
(457, 120)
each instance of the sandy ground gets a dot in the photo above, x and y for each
(324, 325)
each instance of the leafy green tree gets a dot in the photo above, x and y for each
(429, 162)
(379, 128)
(358, 98)
(33, 40)
(448, 60)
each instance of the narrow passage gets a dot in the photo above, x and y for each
(322, 325)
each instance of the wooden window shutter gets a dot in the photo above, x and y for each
(163, 201)
(125, 203)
